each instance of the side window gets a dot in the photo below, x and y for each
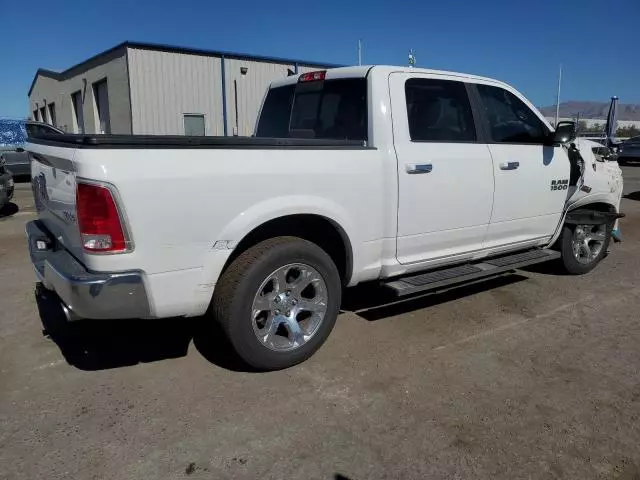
(439, 111)
(510, 120)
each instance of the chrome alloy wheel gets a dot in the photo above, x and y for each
(289, 307)
(587, 242)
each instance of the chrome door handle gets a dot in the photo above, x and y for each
(509, 165)
(414, 168)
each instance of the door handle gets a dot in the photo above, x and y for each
(509, 165)
(415, 168)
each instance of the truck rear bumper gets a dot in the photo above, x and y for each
(85, 294)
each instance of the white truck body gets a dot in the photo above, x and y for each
(478, 198)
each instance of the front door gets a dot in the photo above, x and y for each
(531, 176)
(445, 176)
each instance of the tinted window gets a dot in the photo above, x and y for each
(439, 111)
(510, 120)
(332, 109)
(35, 129)
(274, 117)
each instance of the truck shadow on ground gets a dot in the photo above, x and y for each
(633, 196)
(8, 210)
(105, 344)
(373, 302)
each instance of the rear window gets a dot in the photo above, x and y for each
(331, 109)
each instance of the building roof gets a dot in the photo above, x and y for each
(121, 48)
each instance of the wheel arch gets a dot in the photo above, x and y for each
(325, 232)
(585, 204)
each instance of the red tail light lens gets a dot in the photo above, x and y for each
(98, 220)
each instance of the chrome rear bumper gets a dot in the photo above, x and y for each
(86, 294)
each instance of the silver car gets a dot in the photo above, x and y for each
(13, 135)
(629, 151)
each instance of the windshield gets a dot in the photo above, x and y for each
(12, 133)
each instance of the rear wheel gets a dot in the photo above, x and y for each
(278, 302)
(583, 246)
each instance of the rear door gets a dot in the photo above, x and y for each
(445, 176)
(531, 177)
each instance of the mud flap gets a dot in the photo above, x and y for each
(615, 233)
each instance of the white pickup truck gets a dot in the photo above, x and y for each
(417, 179)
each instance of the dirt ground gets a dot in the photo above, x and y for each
(531, 375)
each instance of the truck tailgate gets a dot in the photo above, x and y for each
(54, 190)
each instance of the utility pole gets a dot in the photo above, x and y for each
(558, 95)
(359, 52)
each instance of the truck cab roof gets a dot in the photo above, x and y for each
(364, 70)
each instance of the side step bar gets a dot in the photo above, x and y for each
(467, 272)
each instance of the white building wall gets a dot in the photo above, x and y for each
(166, 85)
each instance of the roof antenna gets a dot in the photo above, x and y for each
(412, 59)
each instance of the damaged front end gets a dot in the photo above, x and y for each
(594, 181)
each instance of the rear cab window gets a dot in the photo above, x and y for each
(321, 109)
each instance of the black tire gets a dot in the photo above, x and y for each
(239, 284)
(570, 262)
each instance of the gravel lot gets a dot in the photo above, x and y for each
(532, 375)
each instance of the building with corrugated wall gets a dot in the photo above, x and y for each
(142, 88)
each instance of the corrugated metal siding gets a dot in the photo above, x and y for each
(59, 92)
(251, 90)
(303, 69)
(165, 86)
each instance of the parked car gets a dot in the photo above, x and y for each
(629, 151)
(6, 185)
(416, 179)
(13, 136)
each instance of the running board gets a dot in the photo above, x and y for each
(468, 272)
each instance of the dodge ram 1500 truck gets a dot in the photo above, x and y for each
(417, 179)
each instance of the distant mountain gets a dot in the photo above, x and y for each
(592, 110)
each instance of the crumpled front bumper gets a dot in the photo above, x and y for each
(85, 294)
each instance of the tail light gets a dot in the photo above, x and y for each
(101, 228)
(313, 76)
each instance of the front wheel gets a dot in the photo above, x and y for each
(583, 246)
(278, 302)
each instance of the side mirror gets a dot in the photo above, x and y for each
(19, 150)
(565, 132)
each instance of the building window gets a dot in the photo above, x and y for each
(101, 99)
(52, 113)
(78, 115)
(43, 114)
(35, 115)
(194, 125)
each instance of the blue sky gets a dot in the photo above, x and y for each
(518, 42)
